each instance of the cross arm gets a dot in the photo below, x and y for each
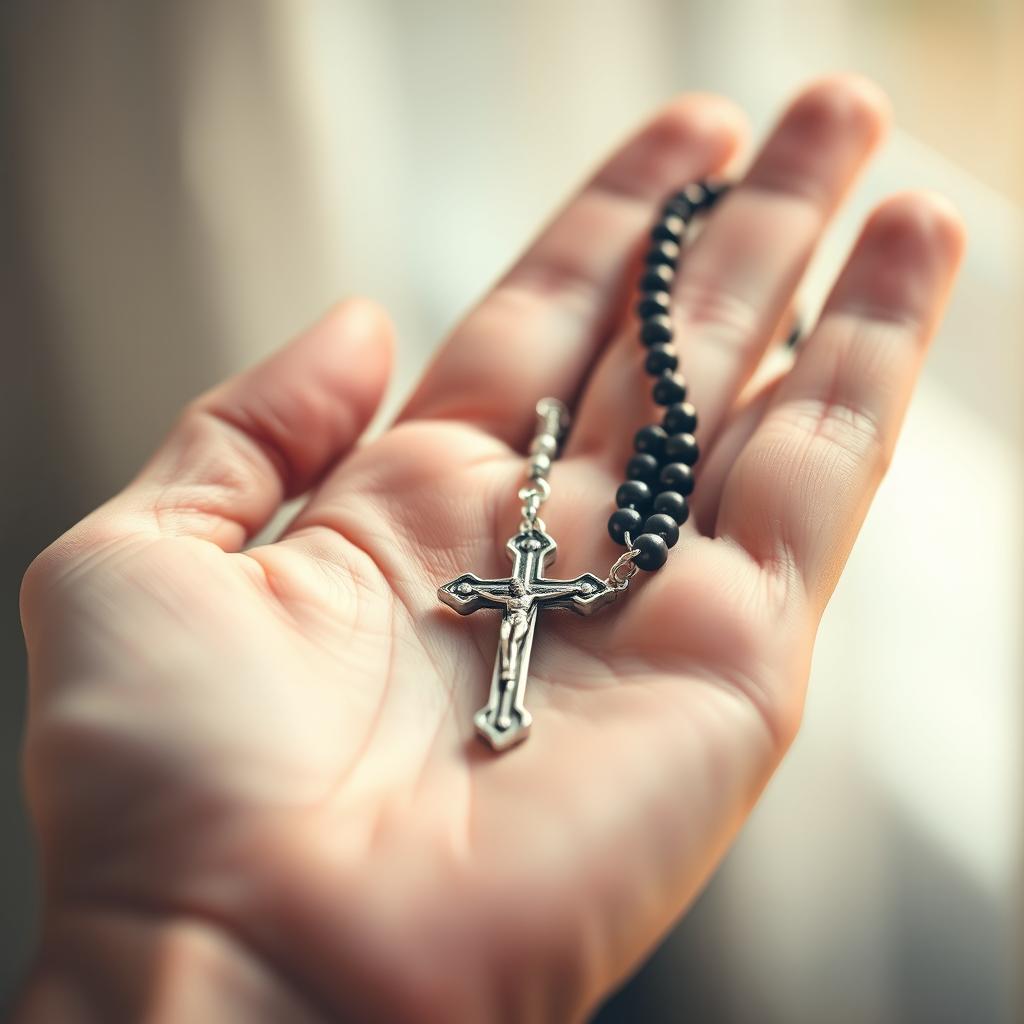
(583, 595)
(468, 593)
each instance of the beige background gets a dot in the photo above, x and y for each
(190, 182)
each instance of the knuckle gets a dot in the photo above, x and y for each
(852, 429)
(52, 563)
(34, 580)
(717, 314)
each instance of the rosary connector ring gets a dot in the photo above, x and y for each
(624, 569)
(539, 491)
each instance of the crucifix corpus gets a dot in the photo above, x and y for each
(504, 720)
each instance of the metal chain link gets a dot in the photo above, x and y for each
(625, 567)
(532, 498)
(552, 425)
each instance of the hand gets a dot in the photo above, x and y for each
(253, 771)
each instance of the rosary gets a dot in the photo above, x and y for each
(650, 506)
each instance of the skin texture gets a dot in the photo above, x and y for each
(253, 771)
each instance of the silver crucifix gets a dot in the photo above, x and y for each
(504, 720)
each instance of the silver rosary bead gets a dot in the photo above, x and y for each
(540, 466)
(553, 417)
(552, 423)
(544, 444)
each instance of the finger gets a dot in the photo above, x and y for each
(732, 438)
(736, 283)
(266, 435)
(537, 332)
(743, 420)
(800, 489)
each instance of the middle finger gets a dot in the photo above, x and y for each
(737, 281)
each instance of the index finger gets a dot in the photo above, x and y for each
(537, 332)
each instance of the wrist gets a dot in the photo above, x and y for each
(118, 966)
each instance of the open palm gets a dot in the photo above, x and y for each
(270, 752)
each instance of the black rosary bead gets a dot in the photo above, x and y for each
(682, 448)
(643, 467)
(634, 494)
(677, 476)
(697, 193)
(657, 279)
(670, 229)
(668, 389)
(623, 521)
(652, 552)
(652, 502)
(672, 503)
(666, 253)
(650, 439)
(653, 304)
(680, 418)
(660, 358)
(664, 526)
(680, 206)
(656, 330)
(714, 190)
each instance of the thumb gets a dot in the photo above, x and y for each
(267, 434)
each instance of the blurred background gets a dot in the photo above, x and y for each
(185, 184)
